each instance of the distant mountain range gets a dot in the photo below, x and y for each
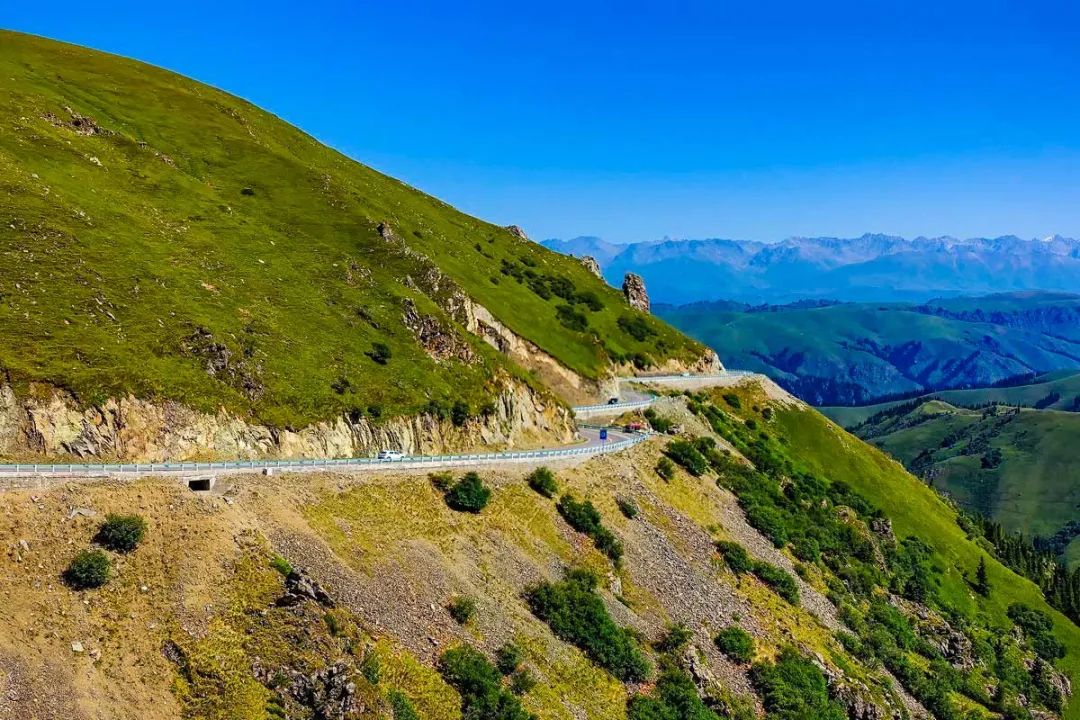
(868, 268)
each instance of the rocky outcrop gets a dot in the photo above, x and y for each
(517, 232)
(935, 629)
(439, 341)
(301, 587)
(50, 423)
(633, 288)
(592, 266)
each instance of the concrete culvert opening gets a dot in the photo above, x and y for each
(200, 484)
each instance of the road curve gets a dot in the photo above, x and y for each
(616, 441)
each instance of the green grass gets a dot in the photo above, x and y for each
(1034, 489)
(1065, 383)
(916, 509)
(199, 211)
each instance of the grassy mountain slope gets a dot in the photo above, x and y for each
(917, 510)
(1018, 468)
(1052, 391)
(198, 602)
(852, 354)
(152, 226)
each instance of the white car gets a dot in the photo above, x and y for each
(391, 455)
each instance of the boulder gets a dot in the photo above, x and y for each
(634, 289)
(300, 587)
(592, 266)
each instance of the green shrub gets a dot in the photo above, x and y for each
(577, 615)
(542, 480)
(659, 424)
(459, 413)
(793, 688)
(462, 608)
(733, 400)
(736, 643)
(281, 565)
(585, 518)
(1039, 629)
(371, 667)
(636, 326)
(522, 682)
(627, 507)
(675, 639)
(675, 698)
(685, 454)
(571, 318)
(121, 533)
(509, 657)
(468, 494)
(401, 706)
(735, 556)
(380, 352)
(665, 468)
(480, 686)
(89, 569)
(779, 580)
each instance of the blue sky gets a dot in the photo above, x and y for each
(634, 121)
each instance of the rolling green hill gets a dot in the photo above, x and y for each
(163, 238)
(1053, 391)
(1017, 467)
(858, 353)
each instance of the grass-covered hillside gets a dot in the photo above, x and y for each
(757, 565)
(860, 353)
(1052, 391)
(161, 237)
(1014, 466)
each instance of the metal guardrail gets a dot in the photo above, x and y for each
(74, 469)
(661, 378)
(628, 405)
(22, 469)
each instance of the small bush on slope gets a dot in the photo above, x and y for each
(685, 454)
(462, 608)
(402, 706)
(585, 518)
(736, 643)
(674, 698)
(793, 688)
(468, 494)
(121, 533)
(577, 615)
(542, 480)
(480, 685)
(89, 569)
(779, 580)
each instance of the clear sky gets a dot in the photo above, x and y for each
(632, 121)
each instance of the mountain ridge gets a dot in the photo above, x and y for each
(872, 267)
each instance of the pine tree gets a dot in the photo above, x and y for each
(982, 582)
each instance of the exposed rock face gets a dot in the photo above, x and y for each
(633, 288)
(240, 370)
(931, 626)
(438, 341)
(51, 424)
(300, 587)
(329, 693)
(592, 266)
(516, 231)
(79, 124)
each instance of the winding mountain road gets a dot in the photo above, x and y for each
(203, 472)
